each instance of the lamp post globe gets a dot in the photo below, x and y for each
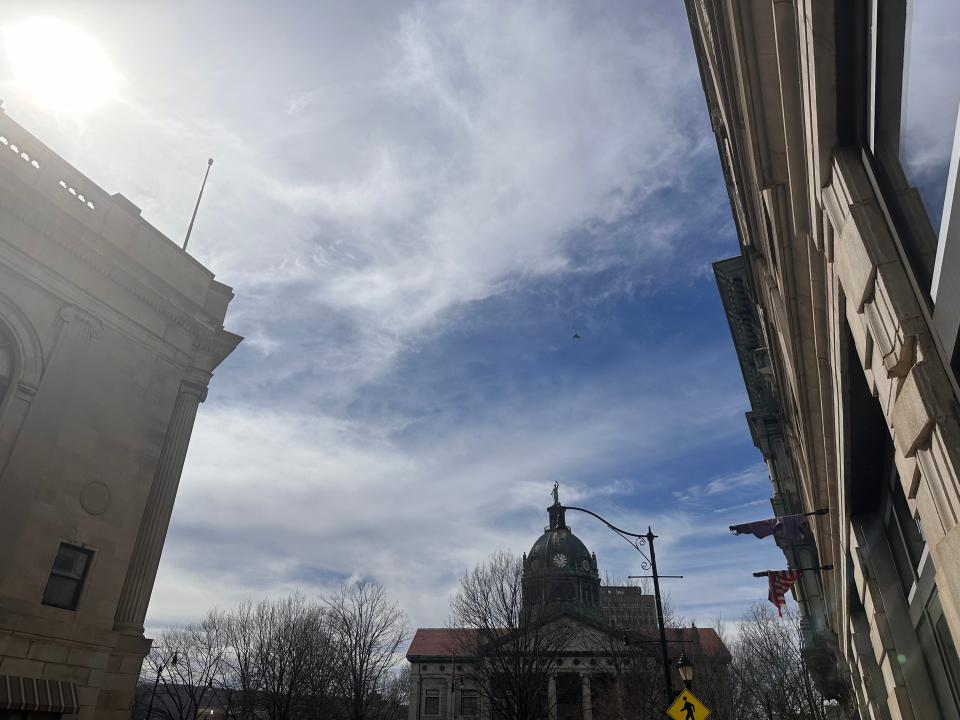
(685, 668)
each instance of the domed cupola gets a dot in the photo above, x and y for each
(559, 570)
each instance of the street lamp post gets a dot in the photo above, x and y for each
(156, 681)
(637, 540)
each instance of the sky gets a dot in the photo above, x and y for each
(418, 205)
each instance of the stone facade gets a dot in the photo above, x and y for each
(854, 400)
(109, 334)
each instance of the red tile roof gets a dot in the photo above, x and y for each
(443, 642)
(437, 642)
(705, 639)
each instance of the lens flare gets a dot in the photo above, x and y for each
(62, 68)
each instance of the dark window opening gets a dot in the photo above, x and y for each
(469, 702)
(852, 40)
(67, 576)
(870, 446)
(431, 702)
(903, 536)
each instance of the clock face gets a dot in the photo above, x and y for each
(585, 564)
(560, 560)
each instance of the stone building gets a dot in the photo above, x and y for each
(109, 334)
(841, 170)
(561, 574)
(627, 607)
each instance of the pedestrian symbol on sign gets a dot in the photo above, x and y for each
(687, 706)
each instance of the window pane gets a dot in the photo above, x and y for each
(431, 704)
(66, 576)
(469, 703)
(931, 95)
(71, 561)
(901, 559)
(947, 647)
(61, 592)
(936, 669)
(908, 525)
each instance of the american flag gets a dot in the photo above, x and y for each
(780, 582)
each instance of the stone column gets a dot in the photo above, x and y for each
(413, 698)
(585, 698)
(552, 695)
(142, 570)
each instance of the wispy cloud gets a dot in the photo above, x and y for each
(418, 205)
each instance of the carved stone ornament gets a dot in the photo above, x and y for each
(95, 497)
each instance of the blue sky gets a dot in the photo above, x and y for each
(418, 205)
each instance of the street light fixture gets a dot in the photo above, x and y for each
(649, 562)
(685, 668)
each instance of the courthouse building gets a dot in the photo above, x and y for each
(606, 625)
(836, 123)
(109, 334)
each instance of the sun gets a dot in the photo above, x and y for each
(62, 68)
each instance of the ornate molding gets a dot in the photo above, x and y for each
(75, 246)
(70, 314)
(189, 387)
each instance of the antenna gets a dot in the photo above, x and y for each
(197, 206)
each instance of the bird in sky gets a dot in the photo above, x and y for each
(576, 336)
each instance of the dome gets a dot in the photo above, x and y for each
(560, 551)
(559, 570)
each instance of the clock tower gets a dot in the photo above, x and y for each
(559, 571)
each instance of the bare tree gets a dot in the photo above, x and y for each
(634, 689)
(768, 660)
(289, 633)
(367, 631)
(187, 660)
(515, 645)
(240, 679)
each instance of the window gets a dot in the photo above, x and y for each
(6, 362)
(431, 701)
(903, 535)
(929, 94)
(914, 116)
(67, 576)
(940, 655)
(469, 702)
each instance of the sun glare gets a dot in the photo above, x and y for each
(62, 68)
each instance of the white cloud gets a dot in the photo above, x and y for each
(368, 186)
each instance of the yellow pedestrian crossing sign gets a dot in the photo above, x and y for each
(687, 706)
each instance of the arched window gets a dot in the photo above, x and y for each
(6, 362)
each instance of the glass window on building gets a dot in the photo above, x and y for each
(66, 578)
(431, 701)
(903, 535)
(940, 655)
(469, 703)
(916, 98)
(931, 97)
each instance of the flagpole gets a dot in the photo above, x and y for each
(197, 206)
(820, 511)
(818, 568)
